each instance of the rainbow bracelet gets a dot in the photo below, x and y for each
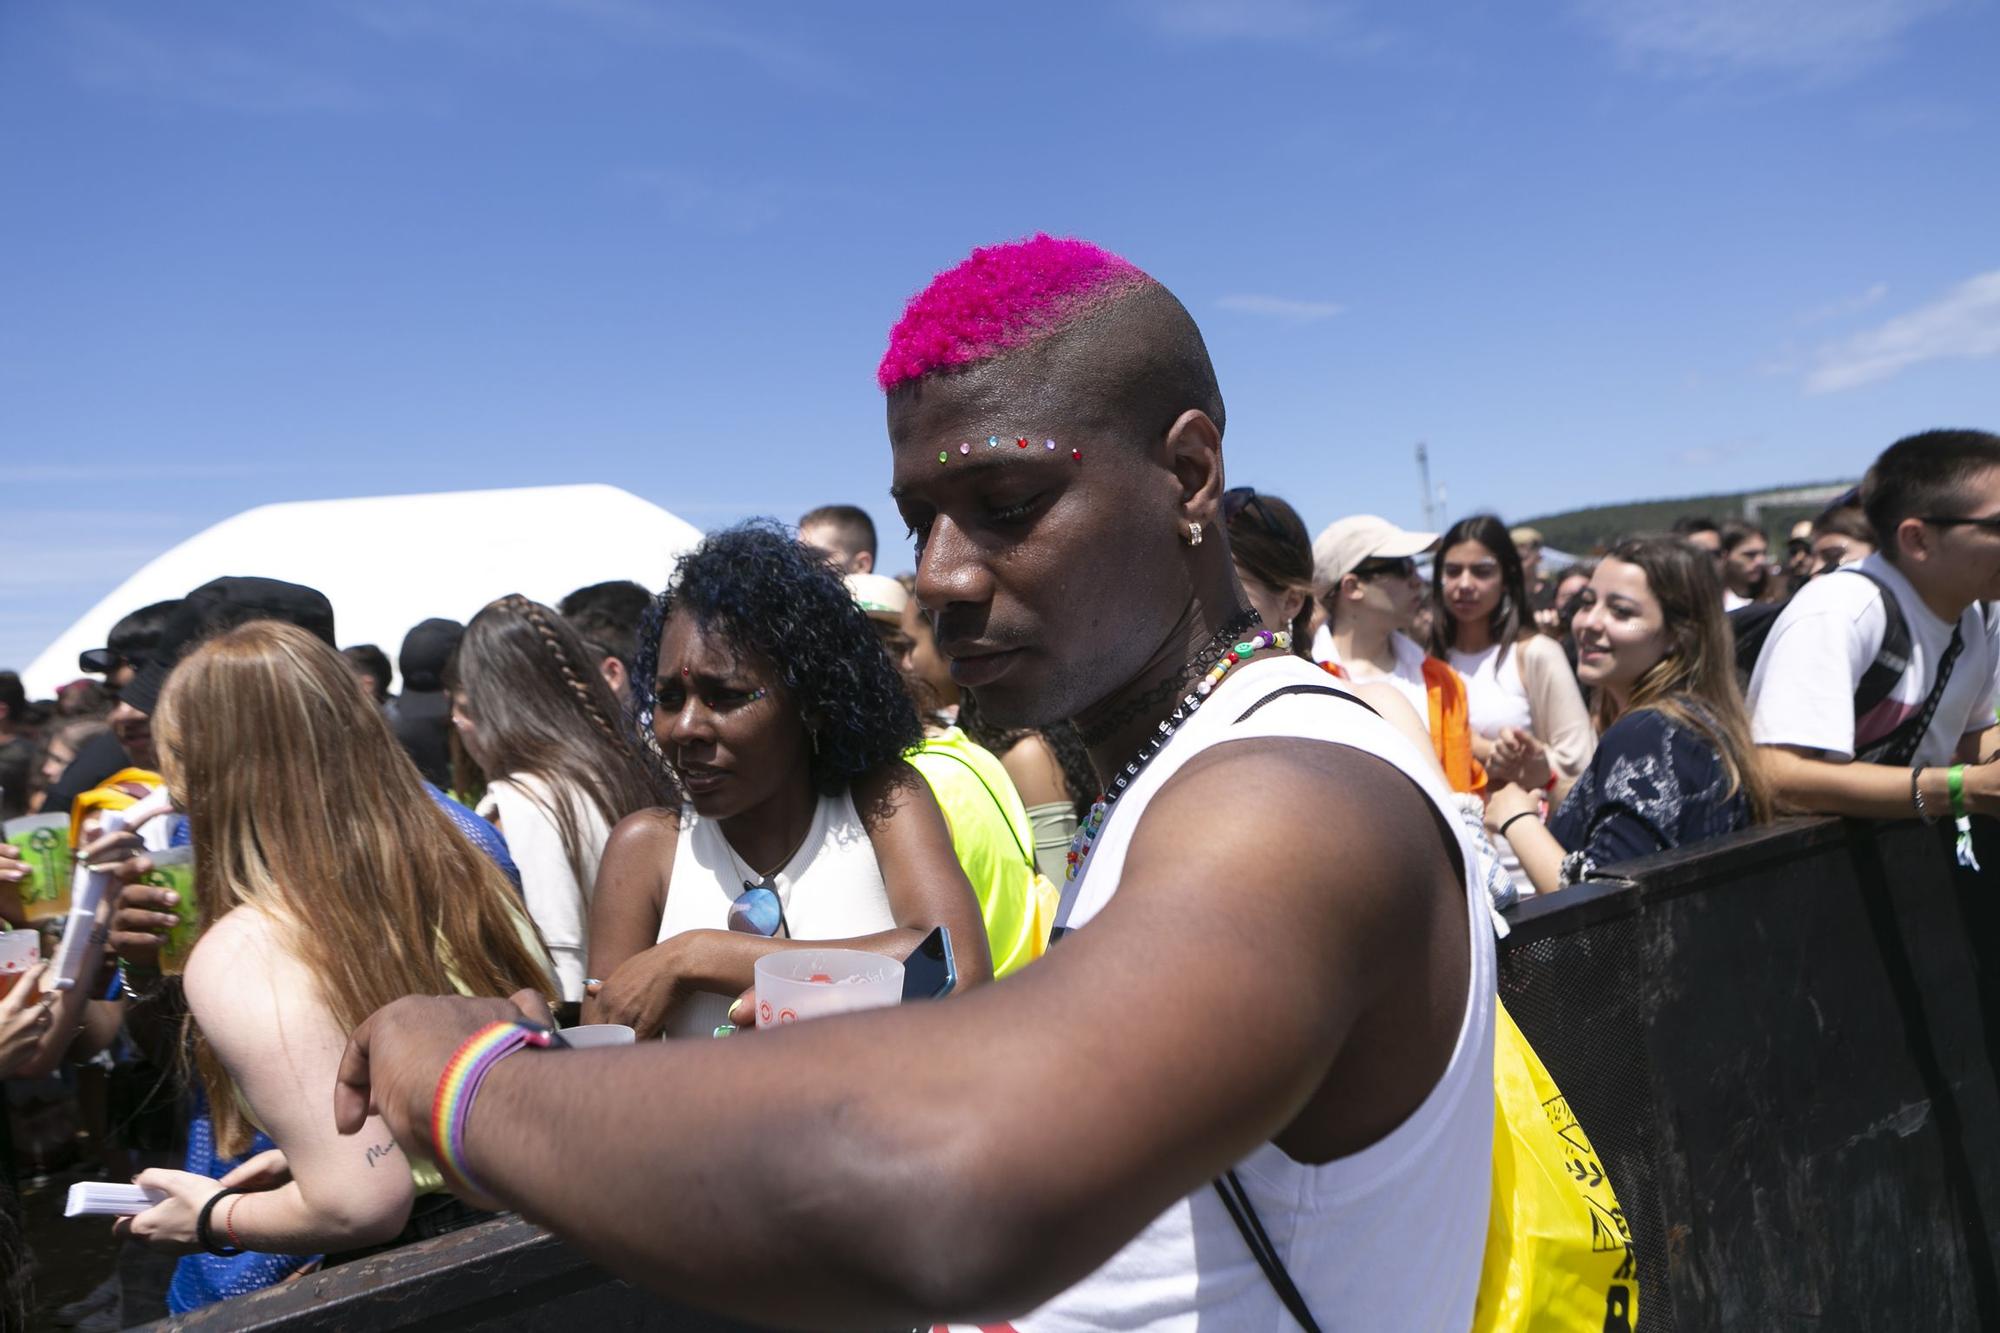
(459, 1084)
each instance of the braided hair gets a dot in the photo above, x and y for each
(566, 650)
(540, 708)
(773, 598)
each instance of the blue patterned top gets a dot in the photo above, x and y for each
(1652, 785)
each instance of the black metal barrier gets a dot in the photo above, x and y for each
(499, 1276)
(1780, 1044)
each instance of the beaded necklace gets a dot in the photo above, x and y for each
(1100, 809)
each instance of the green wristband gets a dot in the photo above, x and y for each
(1954, 783)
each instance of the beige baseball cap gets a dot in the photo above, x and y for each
(1345, 544)
(879, 595)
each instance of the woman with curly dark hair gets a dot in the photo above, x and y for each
(766, 693)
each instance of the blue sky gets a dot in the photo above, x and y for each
(1590, 250)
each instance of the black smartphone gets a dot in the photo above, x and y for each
(930, 972)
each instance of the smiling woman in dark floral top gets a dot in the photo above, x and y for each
(1675, 764)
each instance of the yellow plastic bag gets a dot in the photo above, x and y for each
(1558, 1251)
(1044, 898)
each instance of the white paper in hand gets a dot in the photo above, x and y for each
(97, 1198)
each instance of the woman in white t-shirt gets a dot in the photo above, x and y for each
(1525, 705)
(540, 722)
(766, 692)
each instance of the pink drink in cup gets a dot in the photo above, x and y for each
(797, 984)
(20, 950)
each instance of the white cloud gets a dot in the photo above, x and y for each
(1281, 307)
(1846, 306)
(1822, 38)
(1963, 325)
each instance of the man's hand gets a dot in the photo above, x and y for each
(395, 1057)
(24, 1020)
(142, 915)
(1982, 789)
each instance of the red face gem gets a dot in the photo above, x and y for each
(1077, 454)
(1021, 443)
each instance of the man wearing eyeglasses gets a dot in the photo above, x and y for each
(1923, 748)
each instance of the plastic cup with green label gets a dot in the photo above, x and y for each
(43, 841)
(174, 869)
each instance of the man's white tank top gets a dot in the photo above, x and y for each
(1391, 1237)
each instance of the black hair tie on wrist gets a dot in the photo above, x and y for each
(205, 1237)
(1509, 821)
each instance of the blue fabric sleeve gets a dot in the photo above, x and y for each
(482, 833)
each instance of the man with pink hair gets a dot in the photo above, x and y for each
(1252, 1084)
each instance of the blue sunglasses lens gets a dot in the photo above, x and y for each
(757, 912)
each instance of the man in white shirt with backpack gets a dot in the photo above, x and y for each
(1875, 692)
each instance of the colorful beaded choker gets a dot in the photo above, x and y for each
(1100, 809)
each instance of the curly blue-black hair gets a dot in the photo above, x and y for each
(766, 593)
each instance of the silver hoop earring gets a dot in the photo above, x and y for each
(1194, 534)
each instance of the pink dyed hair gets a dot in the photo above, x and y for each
(998, 298)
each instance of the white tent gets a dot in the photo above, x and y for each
(389, 562)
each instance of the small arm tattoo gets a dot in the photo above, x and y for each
(379, 1151)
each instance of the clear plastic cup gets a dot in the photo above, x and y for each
(586, 1035)
(173, 868)
(797, 984)
(20, 950)
(44, 844)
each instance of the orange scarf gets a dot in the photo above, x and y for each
(1450, 724)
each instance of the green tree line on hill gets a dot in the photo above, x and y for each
(1583, 531)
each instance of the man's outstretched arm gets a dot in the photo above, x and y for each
(1805, 782)
(974, 1157)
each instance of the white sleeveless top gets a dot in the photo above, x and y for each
(1495, 695)
(1391, 1237)
(557, 900)
(831, 889)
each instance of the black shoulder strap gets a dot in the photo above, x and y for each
(1244, 1214)
(1900, 745)
(1302, 689)
(1892, 658)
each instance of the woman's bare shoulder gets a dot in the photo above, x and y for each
(238, 967)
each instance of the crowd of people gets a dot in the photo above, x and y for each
(1315, 764)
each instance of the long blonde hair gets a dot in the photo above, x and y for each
(1694, 683)
(303, 805)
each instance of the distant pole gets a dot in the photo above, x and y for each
(1424, 478)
